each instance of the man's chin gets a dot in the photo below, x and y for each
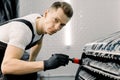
(50, 33)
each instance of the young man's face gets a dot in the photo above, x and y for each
(54, 21)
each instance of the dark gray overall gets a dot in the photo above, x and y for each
(31, 76)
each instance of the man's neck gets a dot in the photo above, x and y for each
(39, 26)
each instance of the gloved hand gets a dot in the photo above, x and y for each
(55, 61)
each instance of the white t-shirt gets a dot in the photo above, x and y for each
(18, 33)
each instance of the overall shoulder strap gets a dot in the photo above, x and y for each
(31, 28)
(34, 43)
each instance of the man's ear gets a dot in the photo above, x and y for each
(45, 13)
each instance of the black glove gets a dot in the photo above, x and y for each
(55, 61)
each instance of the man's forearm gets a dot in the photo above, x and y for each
(33, 54)
(34, 51)
(22, 67)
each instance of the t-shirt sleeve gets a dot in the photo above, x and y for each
(20, 35)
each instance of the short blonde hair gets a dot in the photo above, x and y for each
(65, 6)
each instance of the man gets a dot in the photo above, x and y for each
(17, 36)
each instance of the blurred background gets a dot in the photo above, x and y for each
(92, 20)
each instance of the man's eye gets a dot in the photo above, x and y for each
(56, 20)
